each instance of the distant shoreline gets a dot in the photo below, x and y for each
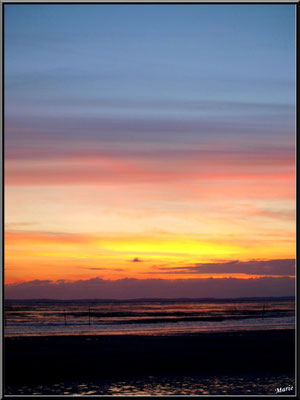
(185, 299)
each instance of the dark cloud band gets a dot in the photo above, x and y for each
(98, 288)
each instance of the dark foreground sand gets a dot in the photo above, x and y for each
(57, 358)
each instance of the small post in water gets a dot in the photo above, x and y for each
(65, 317)
(263, 311)
(89, 316)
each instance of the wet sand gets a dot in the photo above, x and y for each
(51, 359)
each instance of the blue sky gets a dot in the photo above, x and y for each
(140, 53)
(185, 74)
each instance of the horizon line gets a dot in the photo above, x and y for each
(161, 299)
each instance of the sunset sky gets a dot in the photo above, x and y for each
(149, 142)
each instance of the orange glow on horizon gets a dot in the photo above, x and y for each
(86, 216)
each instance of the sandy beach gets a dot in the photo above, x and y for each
(47, 359)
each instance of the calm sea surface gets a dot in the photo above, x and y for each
(26, 318)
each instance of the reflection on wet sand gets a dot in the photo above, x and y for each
(168, 385)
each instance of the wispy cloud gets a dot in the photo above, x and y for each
(92, 166)
(254, 267)
(103, 269)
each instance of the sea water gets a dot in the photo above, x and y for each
(145, 317)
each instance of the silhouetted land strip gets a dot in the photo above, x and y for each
(154, 299)
(57, 358)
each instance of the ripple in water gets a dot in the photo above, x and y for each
(194, 385)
